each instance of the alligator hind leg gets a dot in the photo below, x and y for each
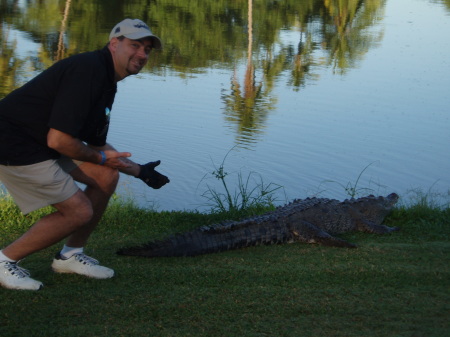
(307, 232)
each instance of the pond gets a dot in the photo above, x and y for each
(319, 97)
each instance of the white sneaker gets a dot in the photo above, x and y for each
(14, 277)
(81, 264)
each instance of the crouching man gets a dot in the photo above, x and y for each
(52, 133)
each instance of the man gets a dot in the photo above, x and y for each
(52, 133)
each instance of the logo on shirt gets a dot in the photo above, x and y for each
(107, 114)
(104, 129)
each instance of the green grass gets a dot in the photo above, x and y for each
(394, 285)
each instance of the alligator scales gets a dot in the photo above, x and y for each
(311, 220)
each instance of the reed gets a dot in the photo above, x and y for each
(251, 191)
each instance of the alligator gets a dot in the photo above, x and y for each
(311, 220)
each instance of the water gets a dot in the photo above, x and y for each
(385, 114)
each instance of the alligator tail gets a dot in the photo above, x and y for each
(205, 242)
(188, 244)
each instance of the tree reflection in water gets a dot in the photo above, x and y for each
(247, 107)
(332, 33)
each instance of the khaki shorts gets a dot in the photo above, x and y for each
(39, 185)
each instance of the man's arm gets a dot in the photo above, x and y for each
(146, 173)
(74, 148)
(132, 169)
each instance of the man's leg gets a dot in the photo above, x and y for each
(101, 182)
(74, 219)
(71, 215)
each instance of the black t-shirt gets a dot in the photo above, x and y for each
(75, 96)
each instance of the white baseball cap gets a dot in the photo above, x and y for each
(134, 29)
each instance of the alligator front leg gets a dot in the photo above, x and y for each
(370, 227)
(309, 233)
(367, 226)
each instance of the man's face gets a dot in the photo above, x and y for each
(129, 56)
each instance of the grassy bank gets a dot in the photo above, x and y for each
(395, 285)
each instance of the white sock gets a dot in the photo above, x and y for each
(3, 257)
(67, 252)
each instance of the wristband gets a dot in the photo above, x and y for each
(102, 162)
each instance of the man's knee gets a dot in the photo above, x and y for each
(82, 218)
(98, 177)
(77, 210)
(114, 176)
(85, 213)
(108, 180)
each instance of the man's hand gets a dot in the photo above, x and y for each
(151, 177)
(117, 160)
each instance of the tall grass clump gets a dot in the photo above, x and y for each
(430, 200)
(353, 189)
(251, 192)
